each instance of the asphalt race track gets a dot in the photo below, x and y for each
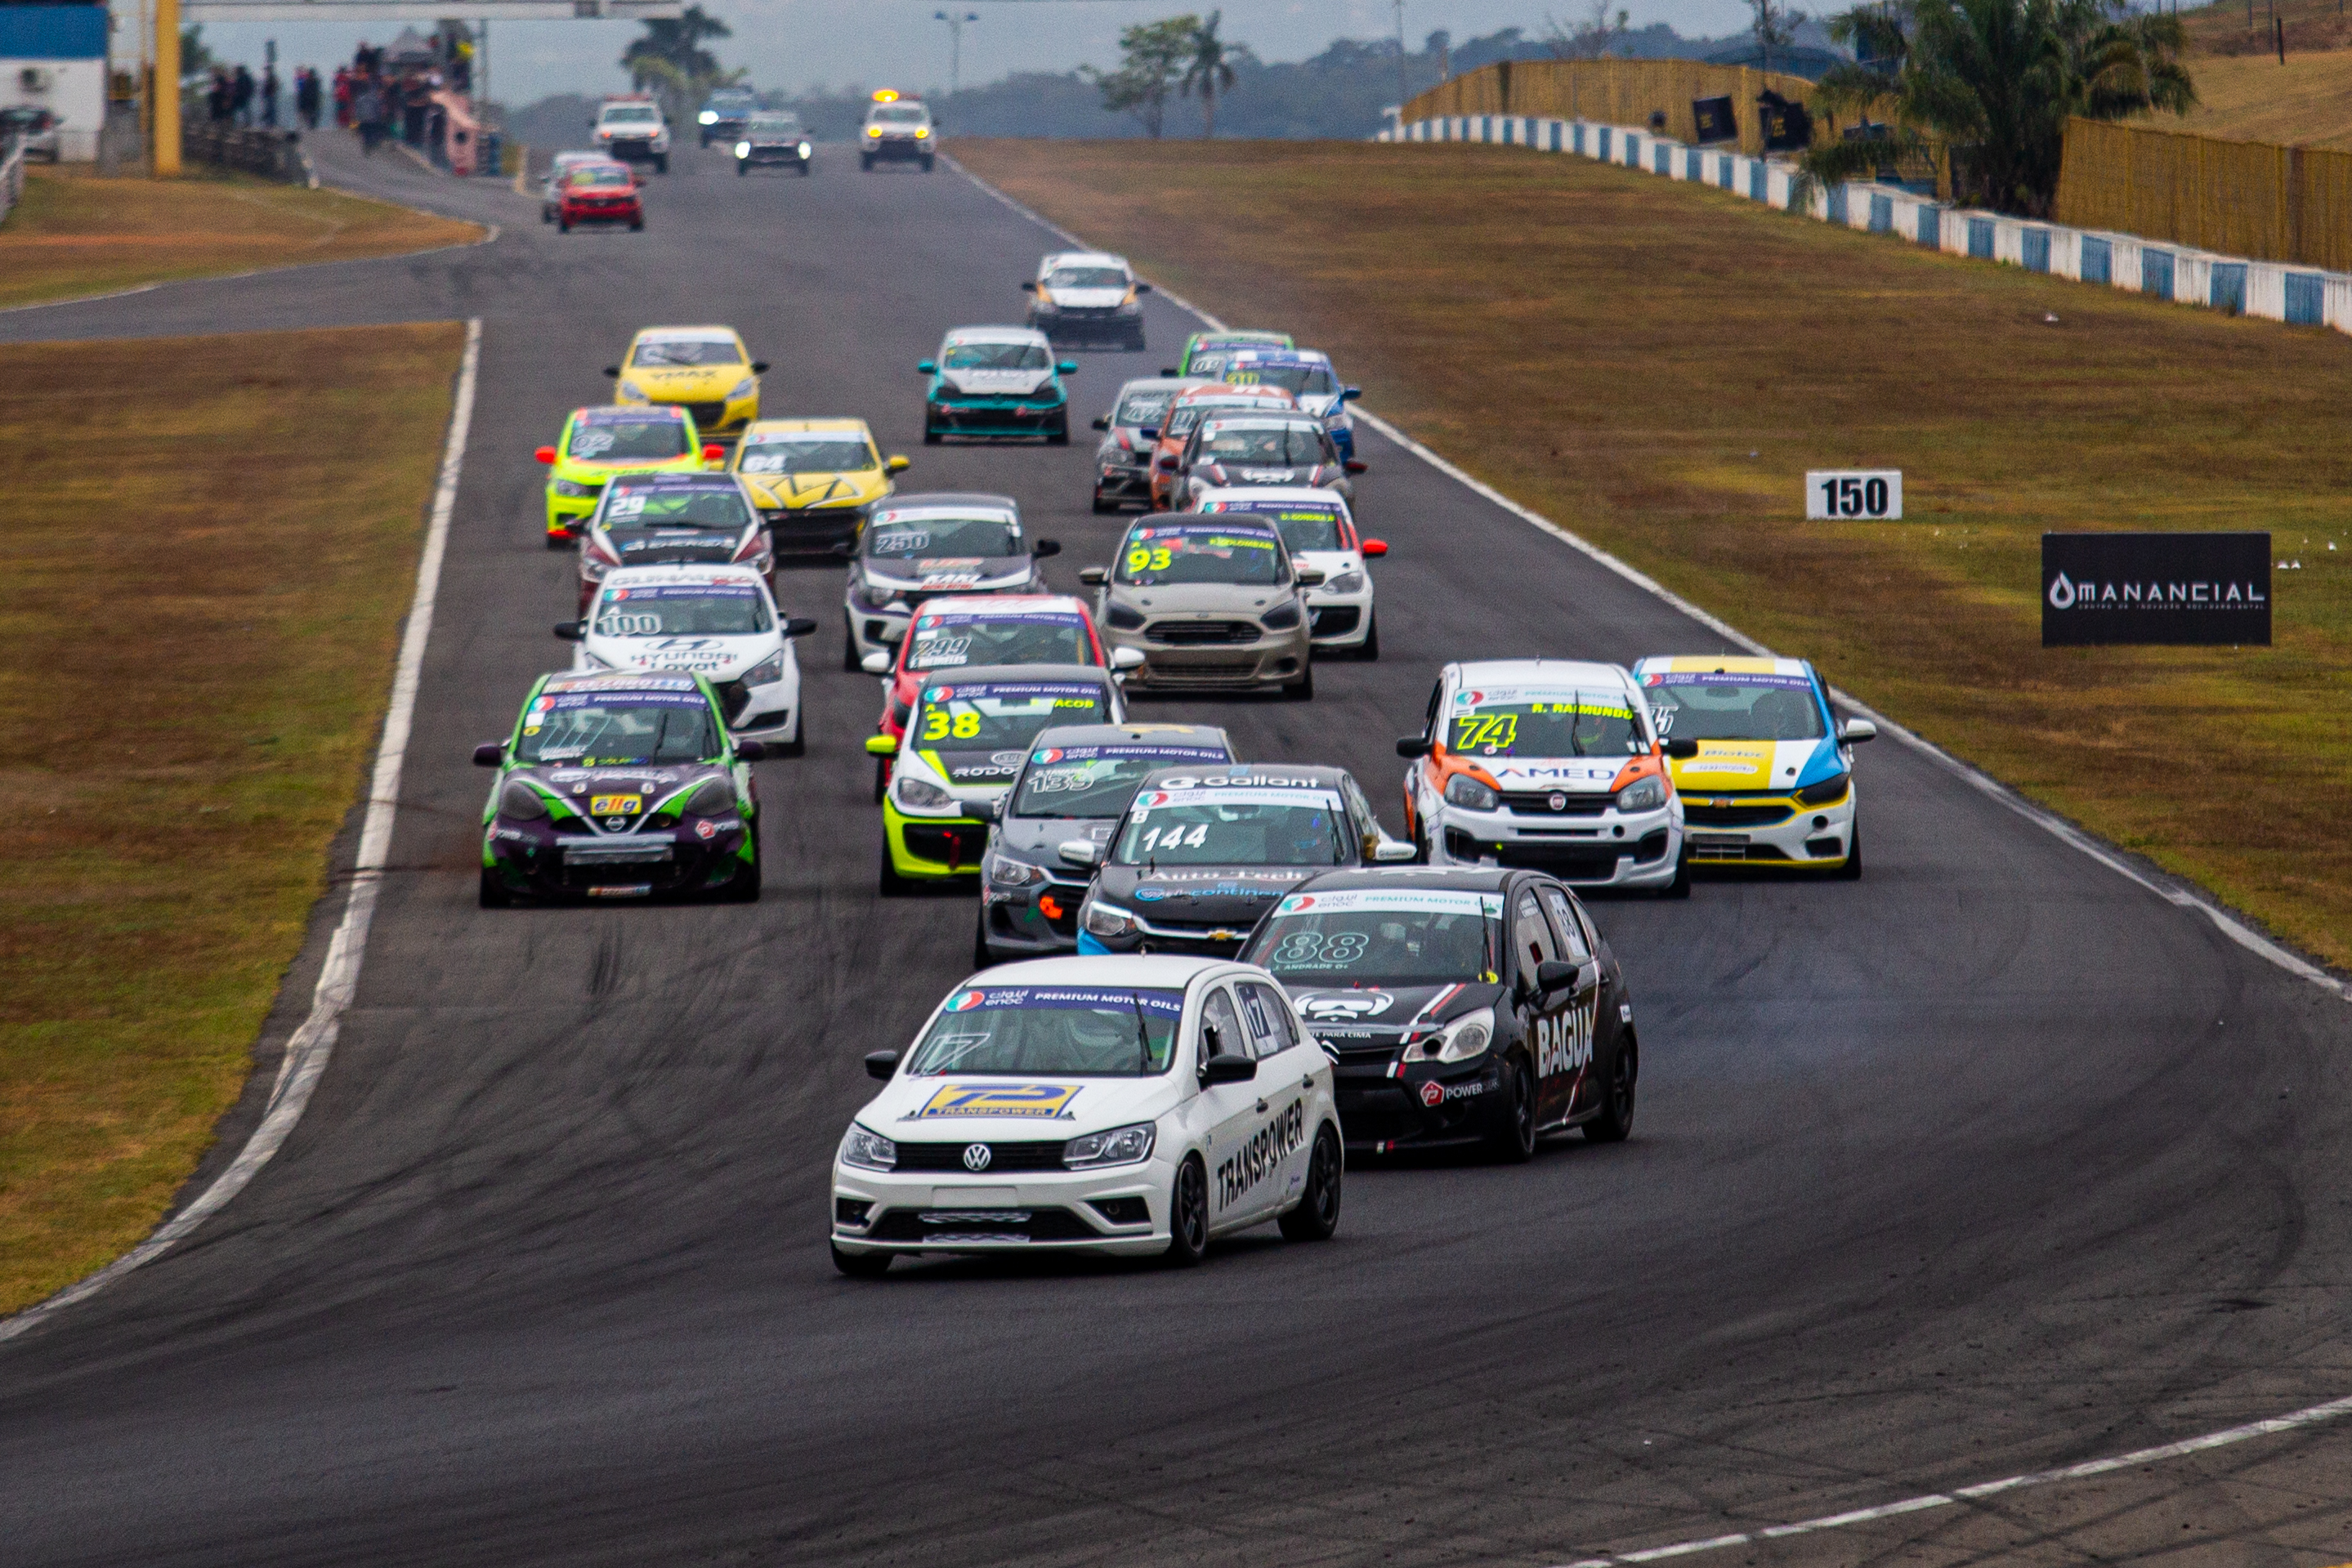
(1989, 1162)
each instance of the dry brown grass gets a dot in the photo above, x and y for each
(1656, 364)
(208, 544)
(77, 233)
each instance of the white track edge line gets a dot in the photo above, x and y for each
(308, 1050)
(490, 232)
(2229, 925)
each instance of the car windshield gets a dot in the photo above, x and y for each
(635, 114)
(996, 357)
(1143, 408)
(687, 352)
(1303, 527)
(623, 440)
(597, 176)
(1380, 938)
(943, 538)
(899, 114)
(957, 640)
(618, 729)
(1696, 705)
(1085, 277)
(674, 506)
(1308, 381)
(1160, 554)
(1261, 827)
(1188, 414)
(1080, 1032)
(1000, 715)
(814, 451)
(1553, 724)
(1098, 781)
(717, 610)
(1285, 446)
(775, 125)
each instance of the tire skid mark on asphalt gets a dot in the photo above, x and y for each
(313, 1043)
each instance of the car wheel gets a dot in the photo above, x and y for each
(559, 541)
(804, 168)
(927, 165)
(866, 163)
(1059, 435)
(745, 888)
(1616, 1118)
(930, 436)
(881, 777)
(1514, 1142)
(545, 216)
(980, 956)
(563, 225)
(1371, 651)
(1103, 507)
(797, 746)
(1852, 870)
(494, 890)
(636, 225)
(742, 168)
(1680, 886)
(888, 882)
(1318, 1214)
(1188, 1215)
(862, 1265)
(661, 165)
(1304, 691)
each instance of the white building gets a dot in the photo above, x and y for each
(55, 56)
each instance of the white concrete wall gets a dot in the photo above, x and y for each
(75, 92)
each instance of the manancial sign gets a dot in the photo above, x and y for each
(2156, 588)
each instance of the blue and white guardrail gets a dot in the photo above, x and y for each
(2276, 291)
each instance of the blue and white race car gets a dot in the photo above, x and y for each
(1305, 373)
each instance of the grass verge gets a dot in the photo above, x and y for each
(205, 594)
(1654, 364)
(76, 234)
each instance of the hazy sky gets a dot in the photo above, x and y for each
(794, 44)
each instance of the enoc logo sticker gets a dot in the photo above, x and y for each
(1040, 1101)
(1346, 1006)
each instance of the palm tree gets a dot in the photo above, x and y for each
(1995, 81)
(1207, 72)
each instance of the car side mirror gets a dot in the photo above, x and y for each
(1028, 286)
(545, 454)
(1682, 750)
(1375, 549)
(490, 753)
(1168, 464)
(1311, 576)
(1350, 394)
(1392, 851)
(1170, 370)
(1083, 854)
(1857, 730)
(1556, 974)
(881, 1064)
(570, 630)
(1094, 576)
(1412, 746)
(714, 453)
(988, 810)
(759, 367)
(612, 371)
(799, 626)
(1354, 465)
(881, 745)
(1148, 431)
(877, 664)
(1067, 368)
(1142, 287)
(929, 367)
(1226, 1068)
(1102, 422)
(895, 465)
(1127, 658)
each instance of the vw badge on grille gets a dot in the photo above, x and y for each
(976, 1157)
(1559, 802)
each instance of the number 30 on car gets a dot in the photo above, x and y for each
(1139, 1106)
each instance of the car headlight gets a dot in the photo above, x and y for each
(1831, 789)
(804, 149)
(715, 798)
(1005, 872)
(743, 389)
(872, 131)
(1346, 582)
(1119, 1147)
(1282, 617)
(1109, 920)
(921, 795)
(1465, 1038)
(881, 594)
(922, 132)
(1124, 617)
(574, 488)
(1469, 794)
(630, 391)
(708, 117)
(522, 802)
(1642, 795)
(767, 672)
(868, 1151)
(742, 149)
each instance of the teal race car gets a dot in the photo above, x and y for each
(620, 785)
(996, 381)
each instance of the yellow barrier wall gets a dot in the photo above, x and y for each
(2254, 199)
(1616, 93)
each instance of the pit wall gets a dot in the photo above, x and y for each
(2276, 291)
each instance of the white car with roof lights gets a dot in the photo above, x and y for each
(1321, 533)
(1138, 1107)
(1768, 779)
(1552, 764)
(718, 622)
(1088, 296)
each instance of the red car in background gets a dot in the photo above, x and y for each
(599, 193)
(967, 630)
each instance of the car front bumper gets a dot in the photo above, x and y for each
(1807, 836)
(1031, 922)
(1340, 620)
(1610, 850)
(907, 148)
(1386, 1108)
(931, 847)
(996, 416)
(915, 1212)
(1276, 659)
(538, 861)
(813, 530)
(1116, 482)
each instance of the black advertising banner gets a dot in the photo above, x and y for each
(1714, 119)
(2156, 588)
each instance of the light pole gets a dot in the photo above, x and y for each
(955, 45)
(1402, 89)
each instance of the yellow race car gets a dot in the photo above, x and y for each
(705, 370)
(599, 443)
(813, 480)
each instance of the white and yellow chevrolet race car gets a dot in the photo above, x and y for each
(1772, 780)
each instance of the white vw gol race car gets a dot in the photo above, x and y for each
(718, 622)
(1138, 1107)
